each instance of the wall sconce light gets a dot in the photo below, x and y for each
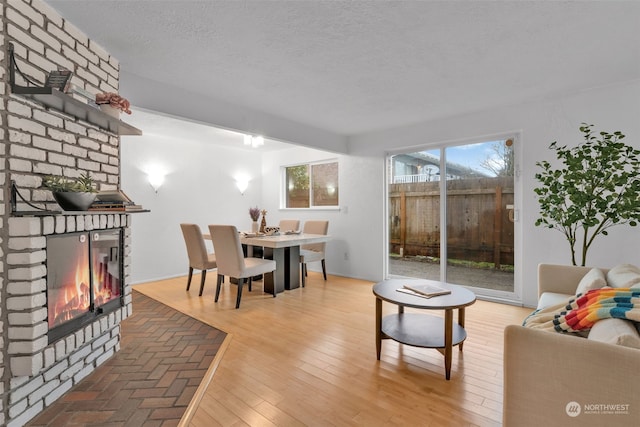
(254, 141)
(242, 185)
(156, 179)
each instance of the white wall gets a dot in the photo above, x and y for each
(355, 249)
(199, 188)
(614, 108)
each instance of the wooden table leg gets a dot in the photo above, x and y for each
(278, 278)
(448, 341)
(461, 322)
(292, 267)
(378, 326)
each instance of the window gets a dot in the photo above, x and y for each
(311, 185)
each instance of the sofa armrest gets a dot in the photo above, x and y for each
(561, 279)
(545, 371)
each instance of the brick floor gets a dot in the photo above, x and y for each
(163, 356)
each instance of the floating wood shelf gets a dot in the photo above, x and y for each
(52, 213)
(53, 98)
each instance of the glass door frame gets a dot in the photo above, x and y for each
(514, 297)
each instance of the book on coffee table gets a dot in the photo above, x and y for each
(425, 290)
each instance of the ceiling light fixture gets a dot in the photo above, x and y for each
(254, 141)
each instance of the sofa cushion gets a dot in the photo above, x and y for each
(616, 331)
(624, 276)
(594, 279)
(549, 299)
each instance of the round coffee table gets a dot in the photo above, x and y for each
(422, 330)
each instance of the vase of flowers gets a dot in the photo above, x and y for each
(112, 104)
(254, 213)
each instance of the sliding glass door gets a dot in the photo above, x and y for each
(451, 215)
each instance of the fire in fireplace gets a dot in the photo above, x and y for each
(79, 290)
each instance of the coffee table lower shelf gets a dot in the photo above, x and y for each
(419, 330)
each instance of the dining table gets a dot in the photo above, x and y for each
(284, 249)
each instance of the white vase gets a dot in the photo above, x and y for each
(109, 110)
(254, 227)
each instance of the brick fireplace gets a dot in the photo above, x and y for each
(84, 272)
(36, 366)
(40, 371)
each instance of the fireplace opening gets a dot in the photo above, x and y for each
(84, 279)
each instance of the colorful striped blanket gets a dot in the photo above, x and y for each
(579, 313)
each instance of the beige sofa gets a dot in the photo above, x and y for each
(554, 379)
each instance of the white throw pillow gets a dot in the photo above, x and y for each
(616, 331)
(623, 276)
(594, 279)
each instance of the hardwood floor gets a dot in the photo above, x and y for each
(308, 357)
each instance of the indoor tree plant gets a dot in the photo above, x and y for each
(597, 187)
(72, 195)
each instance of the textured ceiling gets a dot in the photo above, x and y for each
(351, 67)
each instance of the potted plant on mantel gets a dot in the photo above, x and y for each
(72, 195)
(597, 187)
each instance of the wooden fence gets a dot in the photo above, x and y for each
(479, 227)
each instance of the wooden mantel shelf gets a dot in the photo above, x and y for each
(53, 98)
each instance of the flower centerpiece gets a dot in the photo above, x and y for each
(112, 103)
(254, 213)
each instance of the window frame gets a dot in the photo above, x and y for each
(284, 186)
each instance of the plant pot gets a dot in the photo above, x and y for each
(74, 201)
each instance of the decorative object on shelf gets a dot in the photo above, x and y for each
(59, 79)
(113, 100)
(70, 201)
(263, 224)
(596, 188)
(114, 200)
(72, 195)
(54, 99)
(109, 110)
(254, 213)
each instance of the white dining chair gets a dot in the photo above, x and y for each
(289, 225)
(315, 251)
(197, 252)
(232, 262)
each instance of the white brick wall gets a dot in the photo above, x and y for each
(75, 356)
(37, 141)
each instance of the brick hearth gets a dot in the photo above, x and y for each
(163, 357)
